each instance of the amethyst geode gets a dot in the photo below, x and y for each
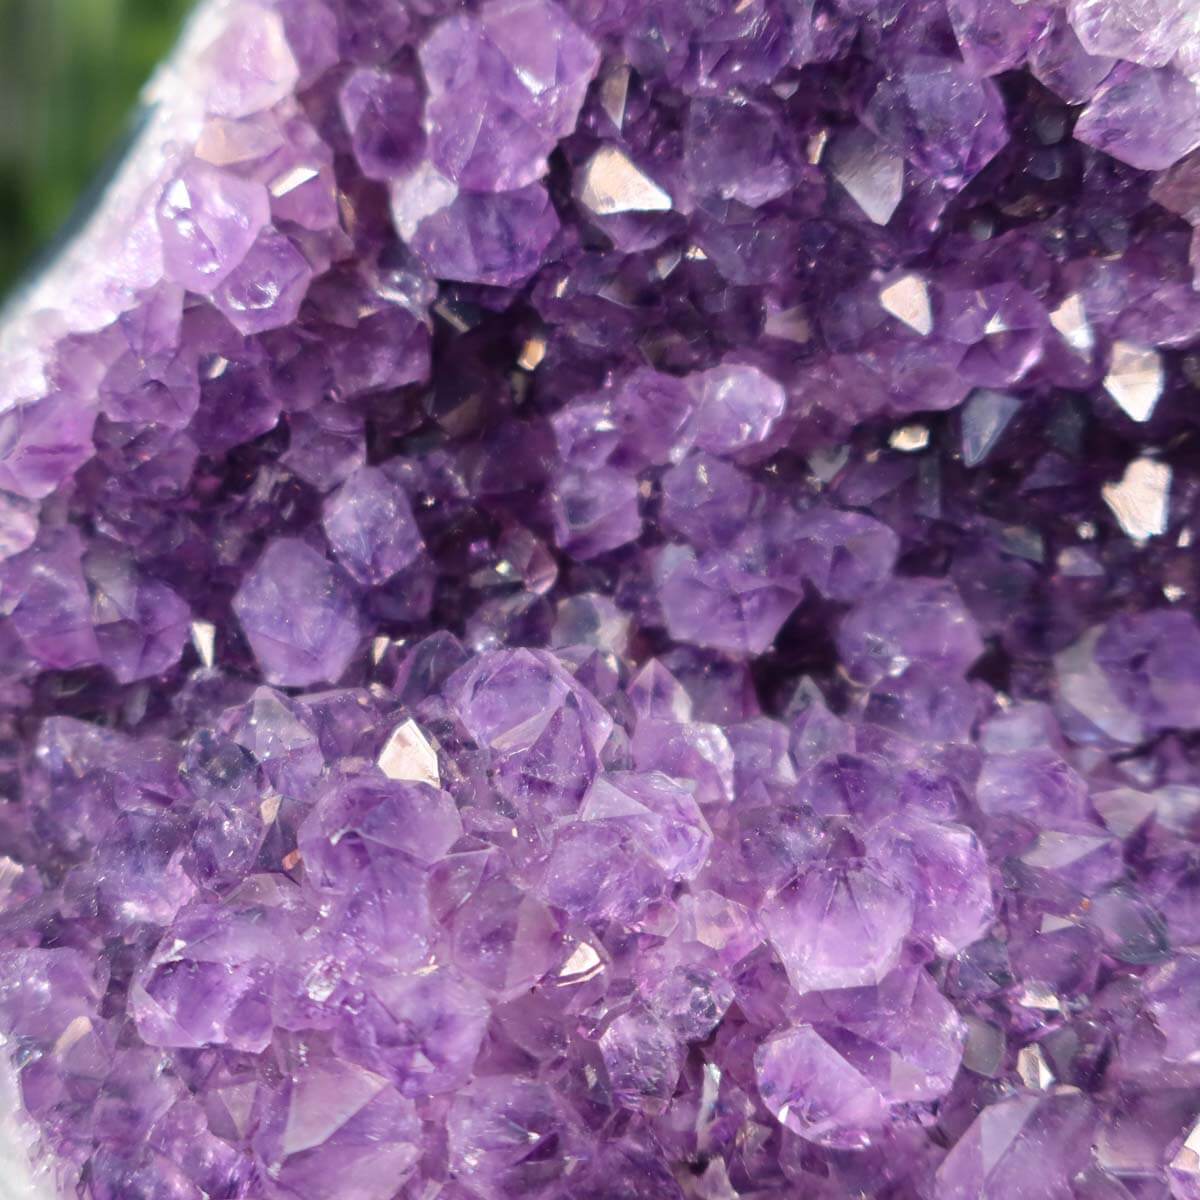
(597, 602)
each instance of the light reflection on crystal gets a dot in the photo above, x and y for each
(907, 299)
(1135, 379)
(408, 755)
(985, 416)
(204, 637)
(612, 184)
(872, 175)
(1070, 320)
(909, 438)
(1141, 499)
(614, 90)
(1033, 1069)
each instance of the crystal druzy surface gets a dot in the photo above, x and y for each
(597, 601)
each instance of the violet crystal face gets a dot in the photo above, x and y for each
(598, 602)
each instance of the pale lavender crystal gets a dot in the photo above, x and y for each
(505, 939)
(509, 1135)
(1143, 31)
(421, 1030)
(253, 37)
(691, 999)
(1170, 999)
(208, 219)
(206, 986)
(655, 694)
(265, 290)
(596, 872)
(911, 1050)
(507, 699)
(815, 1092)
(941, 117)
(503, 87)
(662, 815)
(298, 615)
(362, 1145)
(643, 1057)
(44, 441)
(696, 752)
(355, 821)
(995, 35)
(1147, 117)
(1034, 784)
(1027, 1137)
(840, 924)
(1059, 60)
(946, 871)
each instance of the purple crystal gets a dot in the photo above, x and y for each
(499, 239)
(503, 87)
(265, 290)
(643, 1057)
(912, 621)
(815, 1092)
(363, 1144)
(597, 600)
(737, 151)
(843, 554)
(944, 120)
(370, 526)
(1059, 60)
(44, 441)
(736, 407)
(595, 511)
(382, 111)
(209, 219)
(1022, 1138)
(298, 615)
(717, 601)
(509, 1135)
(994, 35)
(1151, 660)
(664, 818)
(839, 925)
(141, 624)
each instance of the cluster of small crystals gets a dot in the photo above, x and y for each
(596, 602)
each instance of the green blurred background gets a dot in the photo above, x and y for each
(70, 72)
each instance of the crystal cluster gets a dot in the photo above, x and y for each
(597, 601)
